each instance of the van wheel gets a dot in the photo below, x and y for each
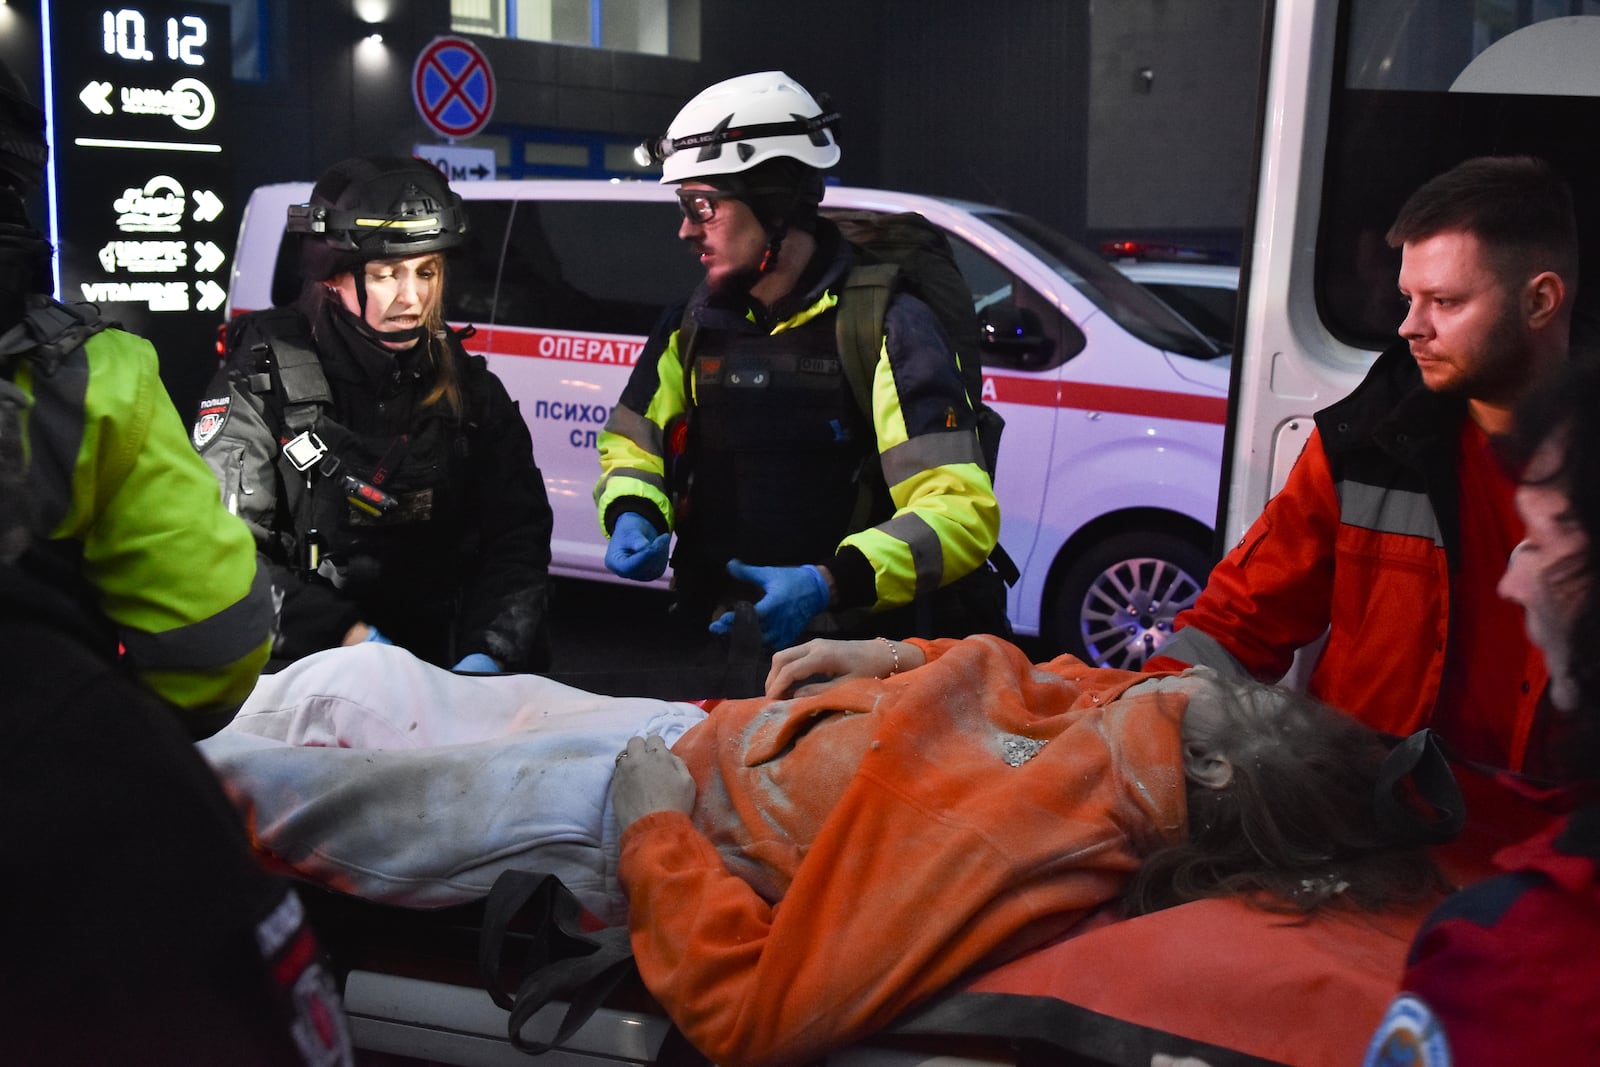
(1116, 602)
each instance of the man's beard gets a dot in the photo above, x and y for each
(1504, 366)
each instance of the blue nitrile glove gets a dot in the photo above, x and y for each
(636, 551)
(794, 595)
(374, 637)
(477, 663)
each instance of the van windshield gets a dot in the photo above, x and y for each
(1127, 302)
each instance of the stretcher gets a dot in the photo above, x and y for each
(1216, 979)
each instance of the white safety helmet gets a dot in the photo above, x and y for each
(742, 122)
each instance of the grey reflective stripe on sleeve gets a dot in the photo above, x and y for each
(55, 434)
(1396, 511)
(224, 638)
(1197, 648)
(653, 480)
(928, 451)
(625, 422)
(927, 554)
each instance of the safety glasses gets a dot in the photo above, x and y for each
(700, 205)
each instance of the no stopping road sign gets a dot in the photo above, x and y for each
(453, 87)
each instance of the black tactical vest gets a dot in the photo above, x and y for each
(779, 445)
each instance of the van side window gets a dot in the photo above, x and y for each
(286, 272)
(471, 269)
(1029, 334)
(598, 266)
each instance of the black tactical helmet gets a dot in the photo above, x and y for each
(22, 145)
(378, 207)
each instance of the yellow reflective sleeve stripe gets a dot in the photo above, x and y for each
(946, 519)
(627, 470)
(215, 641)
(218, 692)
(176, 573)
(913, 552)
(632, 446)
(671, 396)
(957, 522)
(887, 418)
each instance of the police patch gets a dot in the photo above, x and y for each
(1409, 1036)
(213, 416)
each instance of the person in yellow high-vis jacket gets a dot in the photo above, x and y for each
(743, 436)
(125, 514)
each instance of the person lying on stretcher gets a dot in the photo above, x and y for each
(796, 870)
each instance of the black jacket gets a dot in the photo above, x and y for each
(138, 925)
(432, 527)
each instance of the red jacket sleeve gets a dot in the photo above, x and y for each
(1272, 593)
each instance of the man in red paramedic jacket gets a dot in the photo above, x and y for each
(1396, 521)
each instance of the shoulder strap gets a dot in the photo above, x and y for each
(305, 386)
(281, 350)
(48, 333)
(688, 332)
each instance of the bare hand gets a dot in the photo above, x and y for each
(836, 661)
(649, 778)
(357, 634)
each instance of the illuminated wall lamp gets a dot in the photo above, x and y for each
(371, 38)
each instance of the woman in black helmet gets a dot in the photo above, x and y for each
(386, 474)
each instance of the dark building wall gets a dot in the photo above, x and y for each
(838, 47)
(989, 106)
(1029, 104)
(1172, 118)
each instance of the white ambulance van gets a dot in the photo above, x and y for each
(1114, 406)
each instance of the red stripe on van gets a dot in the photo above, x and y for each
(1122, 400)
(618, 349)
(1115, 399)
(1036, 392)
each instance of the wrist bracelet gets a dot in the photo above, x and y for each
(895, 652)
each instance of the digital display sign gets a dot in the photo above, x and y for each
(142, 173)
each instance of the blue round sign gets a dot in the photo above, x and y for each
(453, 87)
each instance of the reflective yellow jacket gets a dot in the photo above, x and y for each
(112, 473)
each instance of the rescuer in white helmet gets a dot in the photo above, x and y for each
(739, 430)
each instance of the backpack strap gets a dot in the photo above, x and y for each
(688, 334)
(858, 326)
(863, 304)
(864, 296)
